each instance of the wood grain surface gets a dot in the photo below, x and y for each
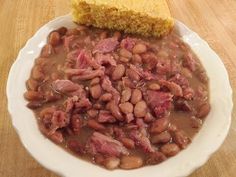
(213, 20)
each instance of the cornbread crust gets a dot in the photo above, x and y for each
(145, 17)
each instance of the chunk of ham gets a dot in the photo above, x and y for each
(105, 59)
(189, 62)
(64, 86)
(70, 103)
(84, 74)
(141, 123)
(106, 116)
(128, 43)
(106, 45)
(140, 138)
(180, 80)
(60, 119)
(68, 87)
(107, 86)
(83, 103)
(160, 102)
(163, 66)
(147, 75)
(78, 103)
(84, 60)
(100, 143)
(53, 119)
(72, 55)
(119, 133)
(174, 88)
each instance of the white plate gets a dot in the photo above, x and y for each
(206, 142)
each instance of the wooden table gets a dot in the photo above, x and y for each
(213, 20)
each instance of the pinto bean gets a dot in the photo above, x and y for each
(97, 106)
(33, 96)
(95, 125)
(163, 54)
(127, 82)
(155, 158)
(46, 111)
(160, 125)
(103, 35)
(139, 48)
(115, 111)
(170, 149)
(124, 59)
(32, 84)
(117, 35)
(119, 86)
(51, 96)
(148, 117)
(96, 91)
(34, 105)
(54, 38)
(125, 53)
(75, 123)
(163, 137)
(75, 146)
(92, 112)
(55, 76)
(126, 107)
(126, 95)
(203, 110)
(95, 81)
(62, 30)
(99, 159)
(132, 75)
(37, 73)
(136, 59)
(154, 86)
(131, 162)
(118, 72)
(127, 142)
(136, 96)
(41, 61)
(181, 139)
(107, 107)
(182, 105)
(195, 122)
(172, 127)
(186, 72)
(140, 109)
(111, 163)
(106, 97)
(57, 137)
(202, 76)
(47, 51)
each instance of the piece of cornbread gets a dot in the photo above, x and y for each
(145, 17)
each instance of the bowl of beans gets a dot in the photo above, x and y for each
(104, 103)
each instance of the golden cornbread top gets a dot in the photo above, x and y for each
(153, 8)
(144, 17)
